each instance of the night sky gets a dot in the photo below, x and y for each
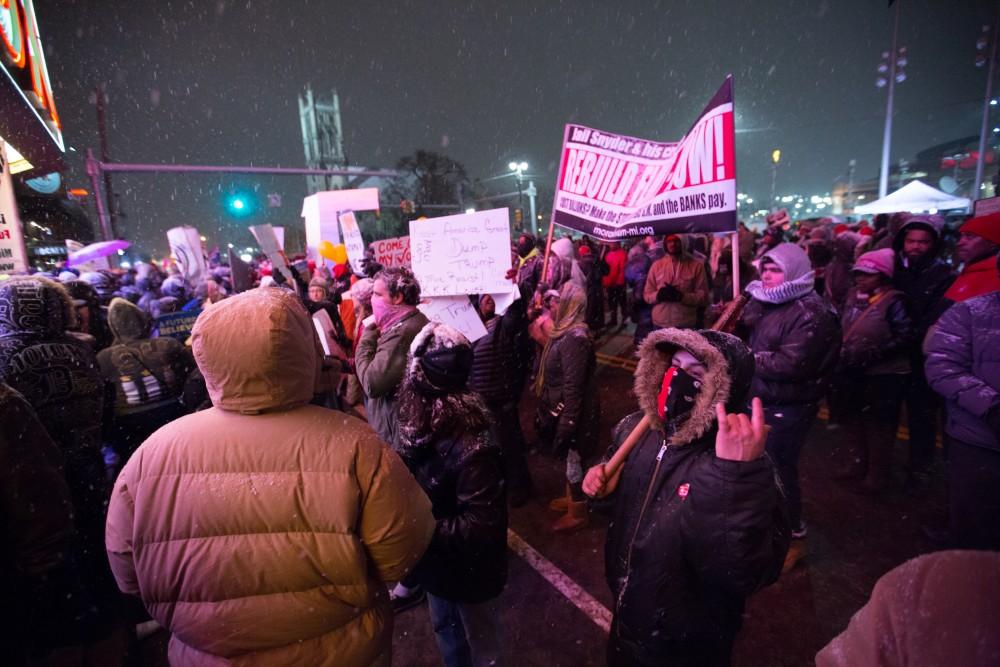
(216, 82)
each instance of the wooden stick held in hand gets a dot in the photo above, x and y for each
(613, 466)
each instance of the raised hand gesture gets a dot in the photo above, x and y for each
(741, 438)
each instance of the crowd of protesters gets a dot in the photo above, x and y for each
(256, 487)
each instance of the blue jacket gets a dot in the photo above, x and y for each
(963, 365)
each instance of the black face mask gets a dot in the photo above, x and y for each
(524, 248)
(677, 393)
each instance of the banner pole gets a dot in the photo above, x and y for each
(548, 248)
(736, 264)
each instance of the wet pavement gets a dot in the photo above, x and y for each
(853, 539)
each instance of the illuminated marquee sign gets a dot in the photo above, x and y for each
(27, 103)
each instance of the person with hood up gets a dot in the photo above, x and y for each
(563, 265)
(871, 376)
(963, 366)
(795, 338)
(262, 530)
(977, 250)
(58, 375)
(568, 411)
(676, 286)
(636, 270)
(924, 277)
(838, 284)
(528, 269)
(446, 443)
(145, 378)
(594, 269)
(697, 521)
(380, 356)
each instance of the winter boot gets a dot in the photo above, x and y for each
(796, 552)
(576, 518)
(577, 514)
(561, 503)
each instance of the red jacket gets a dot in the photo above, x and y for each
(975, 280)
(615, 260)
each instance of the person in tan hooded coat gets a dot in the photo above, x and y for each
(261, 531)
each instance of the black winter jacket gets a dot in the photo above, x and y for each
(877, 337)
(569, 373)
(691, 534)
(463, 477)
(795, 347)
(924, 284)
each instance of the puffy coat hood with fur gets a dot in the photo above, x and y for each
(729, 371)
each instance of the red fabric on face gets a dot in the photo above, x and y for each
(661, 398)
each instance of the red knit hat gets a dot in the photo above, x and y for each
(985, 226)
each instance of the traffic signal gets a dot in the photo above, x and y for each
(407, 206)
(518, 218)
(240, 205)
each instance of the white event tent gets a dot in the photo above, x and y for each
(914, 197)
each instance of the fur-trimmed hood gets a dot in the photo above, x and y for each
(730, 368)
(35, 305)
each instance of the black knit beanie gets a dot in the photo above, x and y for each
(445, 369)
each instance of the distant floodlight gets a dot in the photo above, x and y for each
(470, 210)
(512, 166)
(246, 257)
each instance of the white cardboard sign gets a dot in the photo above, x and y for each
(457, 312)
(352, 239)
(268, 242)
(186, 247)
(320, 212)
(462, 254)
(393, 252)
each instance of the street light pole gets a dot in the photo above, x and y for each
(775, 159)
(883, 180)
(519, 168)
(980, 159)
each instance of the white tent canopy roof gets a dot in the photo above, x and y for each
(914, 197)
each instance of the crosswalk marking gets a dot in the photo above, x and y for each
(581, 599)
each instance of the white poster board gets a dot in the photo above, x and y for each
(505, 300)
(457, 312)
(279, 233)
(393, 252)
(352, 239)
(268, 242)
(186, 247)
(324, 328)
(320, 212)
(13, 253)
(462, 254)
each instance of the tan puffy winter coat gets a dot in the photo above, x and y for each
(260, 532)
(685, 273)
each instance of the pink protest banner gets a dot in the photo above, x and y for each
(614, 186)
(393, 252)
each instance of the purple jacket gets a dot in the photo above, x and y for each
(963, 365)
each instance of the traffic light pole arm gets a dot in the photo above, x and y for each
(113, 167)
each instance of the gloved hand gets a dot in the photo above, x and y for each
(668, 293)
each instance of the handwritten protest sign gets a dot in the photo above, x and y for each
(614, 186)
(462, 254)
(457, 312)
(393, 252)
(186, 247)
(268, 242)
(352, 239)
(176, 325)
(506, 300)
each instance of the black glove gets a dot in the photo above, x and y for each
(668, 293)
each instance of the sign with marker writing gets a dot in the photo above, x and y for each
(352, 239)
(457, 312)
(462, 254)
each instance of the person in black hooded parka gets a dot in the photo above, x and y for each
(445, 440)
(698, 523)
